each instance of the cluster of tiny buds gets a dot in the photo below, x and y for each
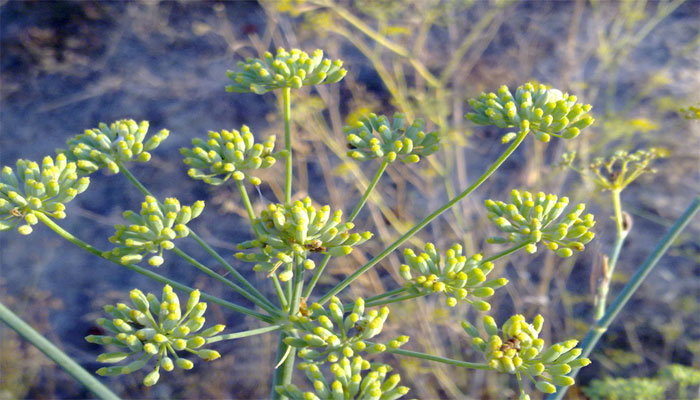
(458, 277)
(622, 168)
(152, 230)
(229, 154)
(375, 137)
(531, 219)
(516, 348)
(348, 382)
(327, 334)
(158, 328)
(286, 69)
(106, 145)
(286, 231)
(535, 107)
(34, 189)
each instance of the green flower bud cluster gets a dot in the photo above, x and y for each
(375, 137)
(33, 189)
(286, 231)
(538, 108)
(122, 140)
(458, 277)
(532, 219)
(229, 154)
(154, 328)
(622, 168)
(152, 230)
(348, 382)
(626, 389)
(516, 347)
(326, 335)
(286, 69)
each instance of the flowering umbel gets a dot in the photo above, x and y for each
(297, 229)
(152, 230)
(375, 137)
(37, 189)
(516, 348)
(538, 108)
(622, 168)
(286, 69)
(229, 154)
(327, 334)
(531, 219)
(152, 327)
(455, 275)
(120, 141)
(348, 382)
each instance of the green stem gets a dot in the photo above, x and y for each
(505, 252)
(247, 203)
(54, 353)
(298, 286)
(251, 289)
(317, 275)
(286, 109)
(321, 267)
(600, 327)
(280, 292)
(283, 374)
(132, 178)
(177, 285)
(271, 310)
(617, 206)
(604, 288)
(514, 145)
(431, 357)
(243, 334)
(369, 189)
(383, 295)
(393, 299)
(621, 234)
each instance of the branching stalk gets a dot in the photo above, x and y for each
(430, 357)
(150, 274)
(600, 327)
(208, 271)
(238, 335)
(514, 145)
(252, 289)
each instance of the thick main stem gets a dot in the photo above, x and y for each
(514, 145)
(54, 353)
(600, 327)
(177, 285)
(283, 374)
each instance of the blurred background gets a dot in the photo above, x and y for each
(66, 66)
